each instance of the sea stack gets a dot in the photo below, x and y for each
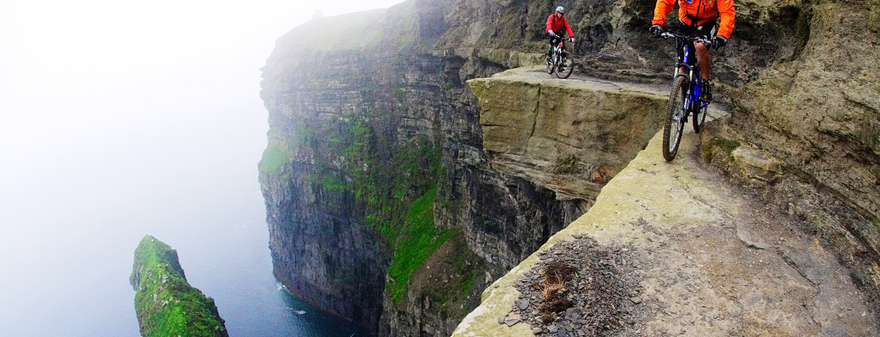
(165, 303)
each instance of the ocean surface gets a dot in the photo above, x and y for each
(71, 223)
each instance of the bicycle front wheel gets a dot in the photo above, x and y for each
(700, 117)
(565, 66)
(675, 111)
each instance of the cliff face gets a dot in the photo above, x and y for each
(166, 304)
(358, 139)
(392, 201)
(814, 122)
(383, 207)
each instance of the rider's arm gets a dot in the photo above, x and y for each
(549, 23)
(662, 10)
(727, 14)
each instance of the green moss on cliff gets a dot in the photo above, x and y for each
(165, 303)
(274, 157)
(718, 146)
(394, 185)
(416, 241)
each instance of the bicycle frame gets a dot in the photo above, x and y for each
(559, 60)
(560, 47)
(684, 100)
(693, 104)
(556, 52)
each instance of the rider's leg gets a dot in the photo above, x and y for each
(705, 65)
(703, 60)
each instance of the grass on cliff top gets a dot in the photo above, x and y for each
(165, 303)
(353, 31)
(418, 240)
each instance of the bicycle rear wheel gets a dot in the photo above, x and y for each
(564, 67)
(675, 112)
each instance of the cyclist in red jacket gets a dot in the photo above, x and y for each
(698, 18)
(555, 23)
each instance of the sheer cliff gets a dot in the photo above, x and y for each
(396, 191)
(375, 173)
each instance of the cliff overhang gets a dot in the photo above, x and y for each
(569, 136)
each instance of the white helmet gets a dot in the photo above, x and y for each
(560, 10)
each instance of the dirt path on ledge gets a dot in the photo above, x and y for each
(715, 110)
(703, 257)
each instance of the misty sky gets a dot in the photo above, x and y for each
(125, 118)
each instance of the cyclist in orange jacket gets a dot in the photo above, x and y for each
(698, 18)
(555, 23)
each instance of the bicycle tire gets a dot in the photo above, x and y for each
(551, 63)
(675, 114)
(700, 117)
(567, 65)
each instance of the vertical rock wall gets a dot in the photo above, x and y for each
(812, 123)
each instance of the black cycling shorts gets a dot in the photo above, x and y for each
(554, 39)
(706, 31)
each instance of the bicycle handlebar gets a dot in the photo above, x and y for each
(667, 35)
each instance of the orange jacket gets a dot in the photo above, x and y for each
(708, 10)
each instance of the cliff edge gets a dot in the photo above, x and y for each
(166, 304)
(675, 248)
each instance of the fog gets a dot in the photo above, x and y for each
(125, 118)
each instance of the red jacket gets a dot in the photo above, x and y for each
(708, 10)
(556, 25)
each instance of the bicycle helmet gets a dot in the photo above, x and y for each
(560, 10)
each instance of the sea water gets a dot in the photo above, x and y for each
(73, 213)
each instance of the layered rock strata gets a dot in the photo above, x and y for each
(165, 303)
(370, 118)
(570, 137)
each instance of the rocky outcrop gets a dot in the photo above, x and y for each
(570, 137)
(392, 201)
(697, 255)
(802, 138)
(165, 303)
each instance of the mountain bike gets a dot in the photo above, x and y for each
(684, 100)
(559, 61)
